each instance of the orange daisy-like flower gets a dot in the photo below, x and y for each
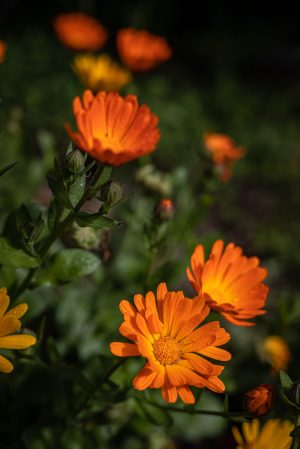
(224, 152)
(2, 51)
(230, 282)
(9, 324)
(164, 329)
(260, 400)
(141, 50)
(113, 129)
(275, 350)
(80, 32)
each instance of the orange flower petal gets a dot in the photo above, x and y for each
(5, 365)
(124, 349)
(22, 341)
(186, 395)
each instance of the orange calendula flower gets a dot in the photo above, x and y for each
(80, 32)
(2, 51)
(9, 324)
(230, 282)
(274, 350)
(100, 73)
(113, 129)
(224, 152)
(275, 434)
(164, 329)
(259, 401)
(141, 50)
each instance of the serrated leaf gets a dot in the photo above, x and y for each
(15, 257)
(286, 381)
(96, 221)
(67, 266)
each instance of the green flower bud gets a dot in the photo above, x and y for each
(75, 161)
(111, 194)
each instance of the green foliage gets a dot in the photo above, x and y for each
(61, 393)
(15, 257)
(68, 265)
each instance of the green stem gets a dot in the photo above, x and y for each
(58, 231)
(192, 411)
(295, 435)
(74, 418)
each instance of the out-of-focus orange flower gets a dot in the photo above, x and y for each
(141, 50)
(259, 401)
(113, 129)
(230, 282)
(164, 329)
(274, 350)
(224, 153)
(2, 51)
(80, 32)
(100, 72)
(10, 324)
(275, 434)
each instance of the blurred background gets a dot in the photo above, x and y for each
(235, 69)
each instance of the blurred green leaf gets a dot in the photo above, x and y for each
(67, 266)
(7, 168)
(286, 381)
(14, 257)
(97, 221)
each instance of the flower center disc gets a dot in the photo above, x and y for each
(166, 350)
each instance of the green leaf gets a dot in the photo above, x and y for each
(286, 381)
(97, 221)
(105, 176)
(76, 190)
(8, 167)
(67, 266)
(15, 257)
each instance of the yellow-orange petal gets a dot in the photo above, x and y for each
(5, 365)
(186, 395)
(4, 301)
(21, 341)
(144, 378)
(18, 311)
(216, 353)
(9, 325)
(124, 349)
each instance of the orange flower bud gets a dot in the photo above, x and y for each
(260, 400)
(165, 209)
(2, 51)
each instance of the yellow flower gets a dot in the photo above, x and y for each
(275, 434)
(274, 350)
(9, 324)
(100, 72)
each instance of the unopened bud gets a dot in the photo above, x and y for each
(165, 209)
(294, 393)
(111, 194)
(75, 161)
(260, 400)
